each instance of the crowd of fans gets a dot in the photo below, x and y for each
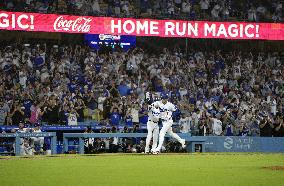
(253, 10)
(217, 93)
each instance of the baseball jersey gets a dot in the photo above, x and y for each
(166, 110)
(154, 112)
(72, 119)
(217, 126)
(37, 130)
(24, 130)
(115, 118)
(38, 138)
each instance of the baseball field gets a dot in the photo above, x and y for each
(139, 169)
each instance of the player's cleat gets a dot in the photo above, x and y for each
(155, 152)
(183, 145)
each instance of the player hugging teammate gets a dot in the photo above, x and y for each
(160, 110)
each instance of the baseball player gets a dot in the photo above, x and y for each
(152, 127)
(37, 140)
(166, 110)
(25, 148)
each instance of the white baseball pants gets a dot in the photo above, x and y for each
(153, 131)
(167, 128)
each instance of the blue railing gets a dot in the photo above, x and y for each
(17, 140)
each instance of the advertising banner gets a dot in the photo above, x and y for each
(139, 27)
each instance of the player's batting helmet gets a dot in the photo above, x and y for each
(164, 96)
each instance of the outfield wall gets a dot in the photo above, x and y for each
(244, 144)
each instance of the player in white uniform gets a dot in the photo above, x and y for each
(152, 127)
(25, 148)
(37, 140)
(166, 109)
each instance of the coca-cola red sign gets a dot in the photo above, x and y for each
(80, 24)
(139, 27)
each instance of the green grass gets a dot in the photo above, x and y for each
(127, 169)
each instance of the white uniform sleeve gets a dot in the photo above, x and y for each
(156, 104)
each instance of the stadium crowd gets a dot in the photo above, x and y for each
(253, 10)
(217, 93)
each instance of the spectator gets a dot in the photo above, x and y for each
(62, 6)
(125, 7)
(95, 7)
(113, 90)
(72, 117)
(278, 14)
(252, 16)
(79, 107)
(243, 131)
(185, 124)
(143, 114)
(144, 5)
(134, 111)
(216, 125)
(63, 115)
(266, 126)
(273, 106)
(261, 12)
(229, 131)
(52, 111)
(16, 114)
(202, 128)
(186, 7)
(4, 110)
(36, 113)
(128, 118)
(204, 6)
(225, 12)
(215, 12)
(91, 102)
(123, 89)
(115, 115)
(178, 4)
(171, 8)
(117, 6)
(279, 126)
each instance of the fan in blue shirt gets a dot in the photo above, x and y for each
(143, 113)
(123, 89)
(71, 86)
(115, 116)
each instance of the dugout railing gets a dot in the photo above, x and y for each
(15, 140)
(191, 140)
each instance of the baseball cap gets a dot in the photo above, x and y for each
(164, 95)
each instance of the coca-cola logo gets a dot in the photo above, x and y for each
(81, 24)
